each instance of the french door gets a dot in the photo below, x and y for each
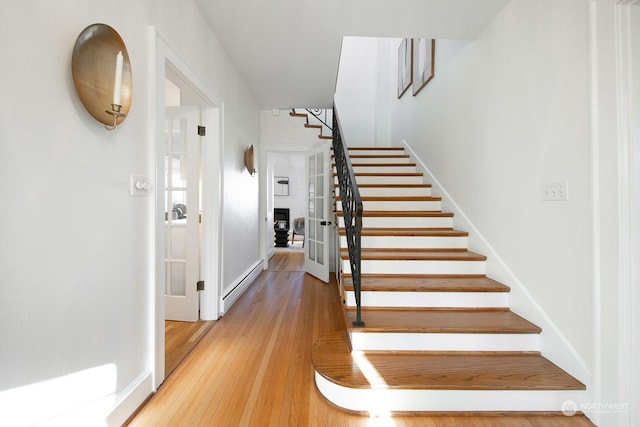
(182, 213)
(317, 222)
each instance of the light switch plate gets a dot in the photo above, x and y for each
(139, 186)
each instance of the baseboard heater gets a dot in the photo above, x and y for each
(237, 288)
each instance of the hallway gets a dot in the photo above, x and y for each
(253, 368)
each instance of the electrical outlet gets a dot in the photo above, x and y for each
(555, 191)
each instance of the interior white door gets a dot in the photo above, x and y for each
(182, 213)
(317, 222)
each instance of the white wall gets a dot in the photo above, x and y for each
(282, 129)
(505, 114)
(75, 254)
(634, 377)
(291, 165)
(356, 90)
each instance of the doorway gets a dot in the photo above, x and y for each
(196, 115)
(292, 163)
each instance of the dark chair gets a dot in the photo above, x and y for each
(298, 228)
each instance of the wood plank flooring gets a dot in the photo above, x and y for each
(253, 368)
(180, 339)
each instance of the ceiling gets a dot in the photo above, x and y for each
(288, 50)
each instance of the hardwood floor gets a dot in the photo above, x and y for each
(253, 368)
(180, 339)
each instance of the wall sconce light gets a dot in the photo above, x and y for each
(102, 74)
(249, 160)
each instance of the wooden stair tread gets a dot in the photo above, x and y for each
(454, 321)
(298, 115)
(307, 125)
(332, 358)
(391, 283)
(416, 254)
(399, 186)
(325, 137)
(421, 232)
(404, 214)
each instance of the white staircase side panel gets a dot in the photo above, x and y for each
(410, 341)
(430, 299)
(411, 242)
(381, 401)
(417, 267)
(404, 222)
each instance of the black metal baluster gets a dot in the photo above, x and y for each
(352, 211)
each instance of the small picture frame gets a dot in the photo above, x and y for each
(281, 186)
(405, 68)
(423, 63)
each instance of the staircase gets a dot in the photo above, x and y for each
(317, 119)
(439, 335)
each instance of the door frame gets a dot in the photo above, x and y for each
(266, 193)
(266, 198)
(212, 112)
(629, 202)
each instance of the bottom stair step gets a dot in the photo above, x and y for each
(439, 382)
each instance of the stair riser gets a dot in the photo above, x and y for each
(430, 299)
(391, 179)
(433, 206)
(399, 341)
(407, 222)
(417, 267)
(410, 242)
(381, 152)
(391, 191)
(378, 160)
(384, 169)
(381, 401)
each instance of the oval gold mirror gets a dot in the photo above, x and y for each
(102, 74)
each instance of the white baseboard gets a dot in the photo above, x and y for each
(131, 399)
(554, 344)
(83, 398)
(238, 286)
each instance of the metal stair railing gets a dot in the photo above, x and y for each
(351, 209)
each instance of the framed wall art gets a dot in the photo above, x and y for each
(423, 63)
(405, 69)
(280, 186)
